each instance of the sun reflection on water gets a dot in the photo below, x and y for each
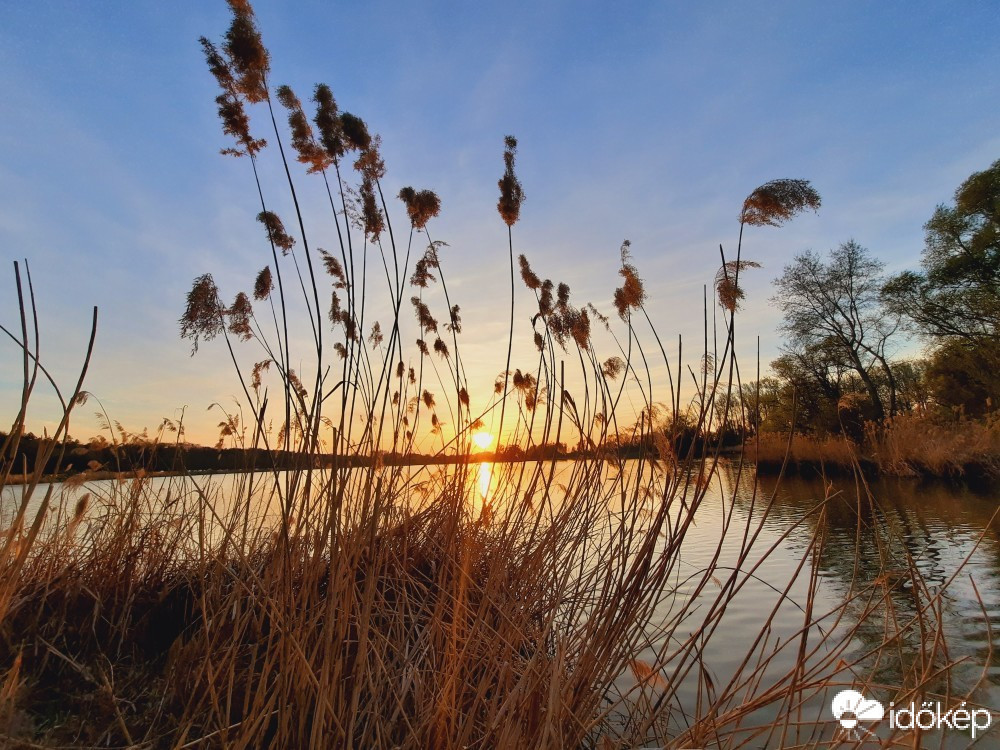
(485, 477)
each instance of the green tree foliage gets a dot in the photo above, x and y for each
(954, 301)
(816, 374)
(964, 376)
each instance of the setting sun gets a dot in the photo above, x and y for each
(482, 440)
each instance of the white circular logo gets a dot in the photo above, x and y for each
(849, 707)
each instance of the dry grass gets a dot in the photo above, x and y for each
(904, 446)
(413, 617)
(912, 445)
(832, 452)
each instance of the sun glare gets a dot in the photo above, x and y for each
(482, 440)
(485, 478)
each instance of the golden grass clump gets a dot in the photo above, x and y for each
(909, 445)
(834, 452)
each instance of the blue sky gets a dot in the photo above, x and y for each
(650, 121)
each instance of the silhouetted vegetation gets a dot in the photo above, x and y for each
(336, 597)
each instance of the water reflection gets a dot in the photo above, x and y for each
(485, 480)
(948, 535)
(934, 527)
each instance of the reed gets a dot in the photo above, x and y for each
(318, 601)
(955, 447)
(833, 453)
(907, 445)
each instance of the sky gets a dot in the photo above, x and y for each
(645, 121)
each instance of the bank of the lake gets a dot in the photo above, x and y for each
(966, 451)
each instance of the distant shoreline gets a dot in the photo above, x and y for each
(975, 473)
(103, 475)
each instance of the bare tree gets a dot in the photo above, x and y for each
(837, 305)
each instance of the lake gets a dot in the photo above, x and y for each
(948, 534)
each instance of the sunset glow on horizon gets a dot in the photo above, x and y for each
(885, 133)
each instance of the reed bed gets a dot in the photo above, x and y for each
(319, 601)
(907, 445)
(833, 453)
(922, 446)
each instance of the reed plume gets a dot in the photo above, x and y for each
(248, 58)
(777, 201)
(424, 317)
(263, 284)
(202, 318)
(372, 218)
(276, 233)
(727, 289)
(328, 122)
(422, 275)
(369, 162)
(303, 141)
(232, 112)
(511, 191)
(239, 315)
(355, 132)
(421, 206)
(455, 325)
(334, 269)
(632, 293)
(529, 277)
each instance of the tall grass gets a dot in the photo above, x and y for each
(915, 445)
(773, 450)
(907, 445)
(338, 603)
